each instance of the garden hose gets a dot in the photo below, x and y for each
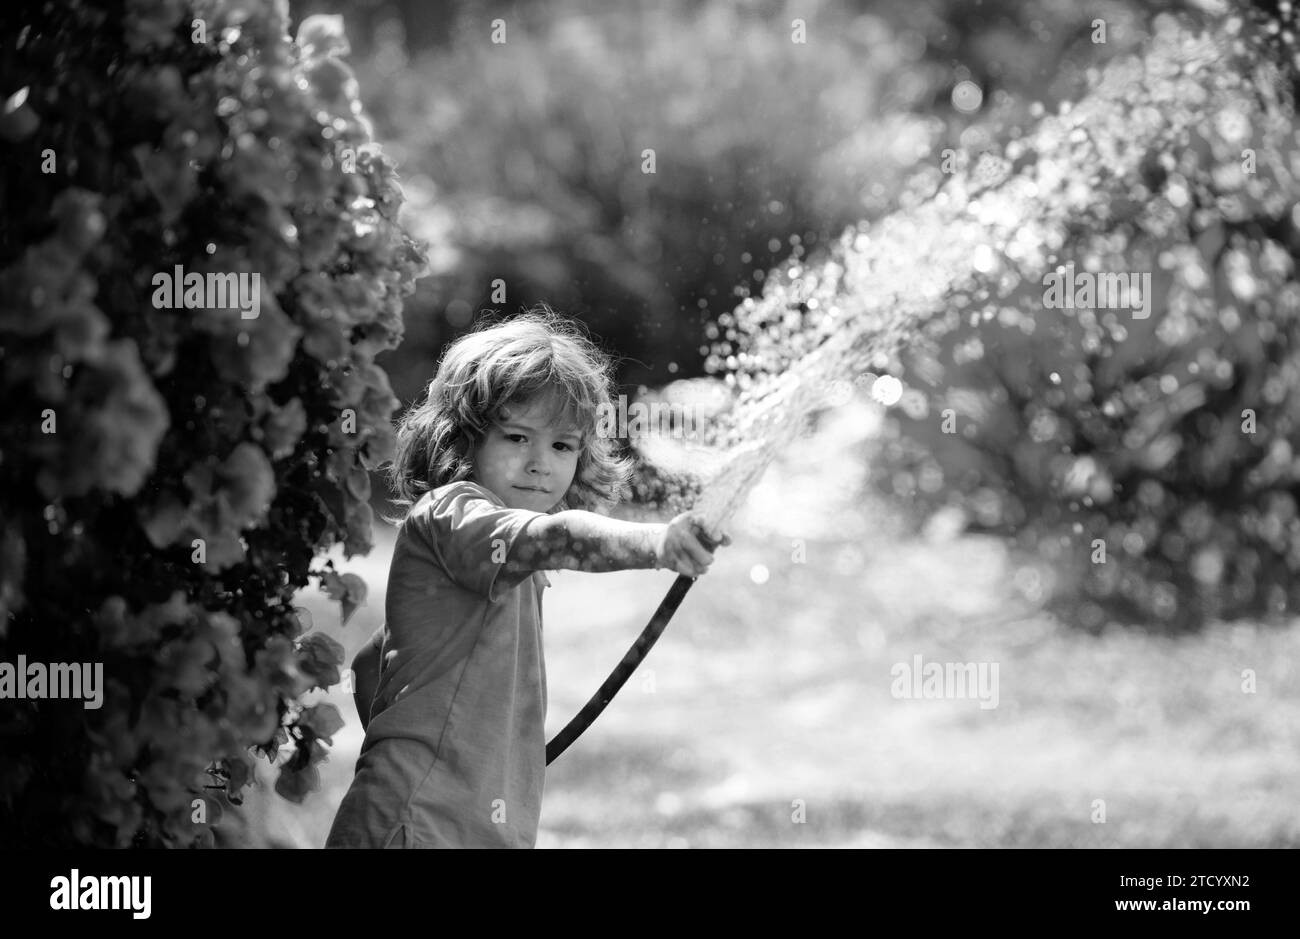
(623, 671)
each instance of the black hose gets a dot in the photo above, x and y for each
(623, 671)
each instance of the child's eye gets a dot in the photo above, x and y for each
(564, 445)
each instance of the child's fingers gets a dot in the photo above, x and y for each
(698, 553)
(689, 560)
(684, 565)
(708, 541)
(713, 544)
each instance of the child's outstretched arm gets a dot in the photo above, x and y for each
(584, 541)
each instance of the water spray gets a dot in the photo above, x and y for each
(999, 227)
(777, 417)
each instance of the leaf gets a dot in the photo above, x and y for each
(332, 583)
(360, 527)
(348, 589)
(323, 720)
(319, 658)
(319, 753)
(355, 586)
(296, 785)
(356, 595)
(241, 774)
(332, 499)
(358, 483)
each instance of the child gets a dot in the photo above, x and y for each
(500, 466)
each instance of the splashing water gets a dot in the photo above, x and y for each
(992, 228)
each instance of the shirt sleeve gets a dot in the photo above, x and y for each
(471, 534)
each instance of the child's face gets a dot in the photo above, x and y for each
(527, 462)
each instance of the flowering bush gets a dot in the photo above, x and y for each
(169, 474)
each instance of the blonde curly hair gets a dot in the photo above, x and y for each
(537, 352)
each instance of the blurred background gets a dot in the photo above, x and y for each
(765, 717)
(522, 161)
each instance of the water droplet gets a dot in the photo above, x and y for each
(983, 259)
(967, 97)
(887, 390)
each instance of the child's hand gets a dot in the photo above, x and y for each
(684, 547)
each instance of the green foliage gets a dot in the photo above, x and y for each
(195, 461)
